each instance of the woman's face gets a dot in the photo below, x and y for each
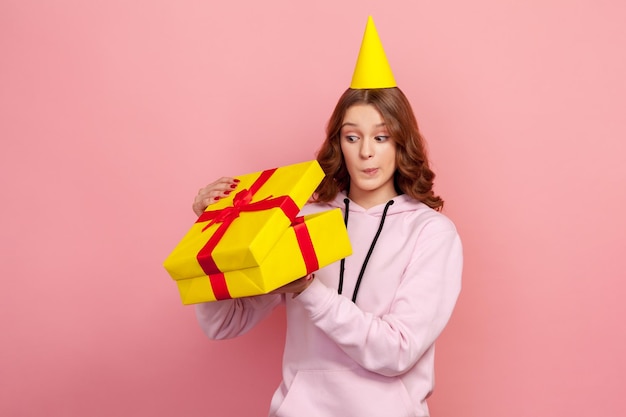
(370, 155)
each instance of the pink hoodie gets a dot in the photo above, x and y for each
(374, 357)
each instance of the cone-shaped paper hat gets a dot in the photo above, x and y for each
(372, 69)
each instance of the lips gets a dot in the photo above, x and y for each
(370, 171)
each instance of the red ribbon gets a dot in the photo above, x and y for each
(225, 216)
(306, 245)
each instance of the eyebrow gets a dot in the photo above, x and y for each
(354, 124)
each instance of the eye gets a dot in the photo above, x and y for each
(351, 138)
(381, 138)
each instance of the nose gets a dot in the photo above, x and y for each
(367, 149)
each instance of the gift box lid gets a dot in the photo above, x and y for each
(239, 231)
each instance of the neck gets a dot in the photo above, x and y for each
(369, 199)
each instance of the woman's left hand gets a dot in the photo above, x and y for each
(295, 287)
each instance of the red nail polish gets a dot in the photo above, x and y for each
(216, 198)
(236, 180)
(233, 185)
(227, 192)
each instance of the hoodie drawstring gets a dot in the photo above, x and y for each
(369, 252)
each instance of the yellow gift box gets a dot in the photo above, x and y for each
(237, 232)
(312, 242)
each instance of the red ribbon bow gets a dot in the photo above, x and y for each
(241, 202)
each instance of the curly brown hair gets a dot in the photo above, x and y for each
(413, 176)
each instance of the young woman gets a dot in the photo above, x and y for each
(361, 332)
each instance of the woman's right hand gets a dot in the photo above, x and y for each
(213, 192)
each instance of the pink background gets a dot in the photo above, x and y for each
(113, 114)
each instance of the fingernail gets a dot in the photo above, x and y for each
(227, 192)
(235, 179)
(233, 185)
(216, 198)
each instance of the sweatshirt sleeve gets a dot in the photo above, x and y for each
(392, 343)
(226, 319)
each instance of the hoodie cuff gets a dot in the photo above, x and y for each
(316, 298)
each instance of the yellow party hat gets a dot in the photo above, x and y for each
(372, 68)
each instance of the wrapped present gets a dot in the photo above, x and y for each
(312, 242)
(237, 232)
